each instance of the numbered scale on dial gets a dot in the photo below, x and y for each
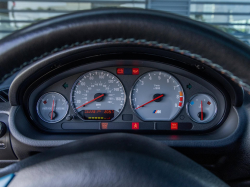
(98, 95)
(202, 108)
(157, 96)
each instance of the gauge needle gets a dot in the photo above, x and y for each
(90, 101)
(201, 111)
(150, 101)
(52, 109)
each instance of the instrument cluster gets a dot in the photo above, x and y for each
(127, 99)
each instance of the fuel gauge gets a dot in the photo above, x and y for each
(52, 107)
(201, 108)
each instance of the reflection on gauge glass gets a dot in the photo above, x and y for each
(202, 108)
(98, 95)
(157, 96)
(52, 107)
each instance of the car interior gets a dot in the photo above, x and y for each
(124, 97)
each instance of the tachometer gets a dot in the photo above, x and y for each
(98, 95)
(157, 96)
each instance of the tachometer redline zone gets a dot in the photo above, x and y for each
(98, 95)
(157, 96)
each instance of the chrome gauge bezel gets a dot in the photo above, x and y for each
(79, 78)
(38, 111)
(215, 112)
(131, 90)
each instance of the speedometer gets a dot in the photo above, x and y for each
(98, 95)
(157, 96)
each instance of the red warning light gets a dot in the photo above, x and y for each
(45, 102)
(135, 126)
(135, 71)
(209, 103)
(174, 126)
(104, 125)
(120, 71)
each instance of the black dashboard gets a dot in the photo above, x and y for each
(150, 97)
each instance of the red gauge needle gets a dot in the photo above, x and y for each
(201, 111)
(150, 101)
(90, 101)
(52, 109)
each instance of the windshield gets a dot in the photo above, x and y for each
(231, 16)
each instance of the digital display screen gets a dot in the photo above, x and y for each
(98, 114)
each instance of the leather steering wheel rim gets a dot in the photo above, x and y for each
(197, 40)
(116, 159)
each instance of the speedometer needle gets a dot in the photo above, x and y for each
(91, 101)
(150, 101)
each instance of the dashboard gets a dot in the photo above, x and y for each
(148, 97)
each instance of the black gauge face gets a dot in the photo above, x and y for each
(157, 96)
(52, 107)
(98, 95)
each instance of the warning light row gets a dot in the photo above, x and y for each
(127, 71)
(134, 126)
(146, 126)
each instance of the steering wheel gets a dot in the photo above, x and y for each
(119, 159)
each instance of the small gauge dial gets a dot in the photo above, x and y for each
(202, 108)
(157, 96)
(52, 107)
(98, 95)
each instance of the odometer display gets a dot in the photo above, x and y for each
(98, 95)
(98, 114)
(157, 96)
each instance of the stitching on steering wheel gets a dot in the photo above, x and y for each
(206, 61)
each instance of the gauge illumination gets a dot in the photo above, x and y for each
(98, 95)
(157, 96)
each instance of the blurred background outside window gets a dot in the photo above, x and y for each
(231, 16)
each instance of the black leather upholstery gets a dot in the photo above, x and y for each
(111, 160)
(198, 38)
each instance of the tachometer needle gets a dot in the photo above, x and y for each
(91, 101)
(52, 109)
(201, 111)
(150, 101)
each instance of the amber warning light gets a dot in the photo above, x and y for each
(127, 71)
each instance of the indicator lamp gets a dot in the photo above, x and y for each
(135, 71)
(120, 71)
(127, 71)
(189, 86)
(174, 126)
(135, 125)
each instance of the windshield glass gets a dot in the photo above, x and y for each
(231, 16)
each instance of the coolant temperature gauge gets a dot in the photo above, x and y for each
(201, 108)
(52, 107)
